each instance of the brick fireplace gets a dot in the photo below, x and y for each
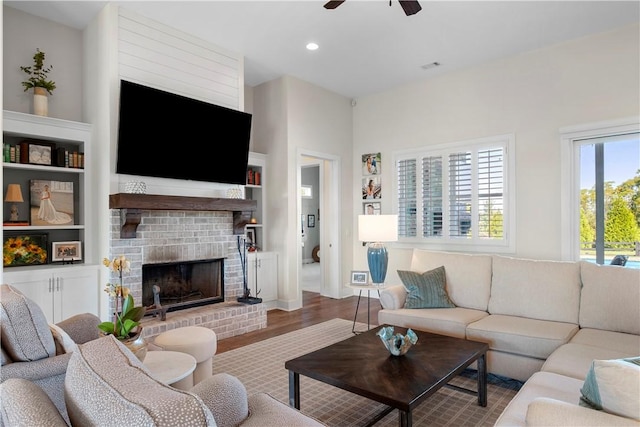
(170, 236)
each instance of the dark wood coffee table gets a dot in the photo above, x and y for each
(362, 365)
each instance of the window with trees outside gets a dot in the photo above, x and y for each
(456, 194)
(604, 175)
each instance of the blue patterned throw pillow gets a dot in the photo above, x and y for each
(426, 290)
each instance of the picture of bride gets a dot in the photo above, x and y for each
(51, 202)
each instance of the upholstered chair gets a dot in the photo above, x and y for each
(107, 385)
(34, 350)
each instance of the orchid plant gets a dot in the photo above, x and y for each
(126, 316)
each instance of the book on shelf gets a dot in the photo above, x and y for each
(15, 223)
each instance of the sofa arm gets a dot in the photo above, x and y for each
(39, 411)
(393, 297)
(547, 412)
(81, 328)
(36, 370)
(226, 398)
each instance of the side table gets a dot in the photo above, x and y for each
(361, 288)
(171, 367)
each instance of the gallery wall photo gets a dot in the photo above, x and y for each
(51, 202)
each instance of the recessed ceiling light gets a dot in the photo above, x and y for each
(312, 46)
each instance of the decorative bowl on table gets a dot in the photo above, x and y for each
(397, 344)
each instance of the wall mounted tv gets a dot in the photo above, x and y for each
(161, 134)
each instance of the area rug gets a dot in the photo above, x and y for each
(260, 367)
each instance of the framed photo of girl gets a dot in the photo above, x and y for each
(371, 164)
(371, 188)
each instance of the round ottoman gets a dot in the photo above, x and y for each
(198, 341)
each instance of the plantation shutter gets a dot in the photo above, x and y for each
(407, 198)
(460, 193)
(491, 193)
(432, 196)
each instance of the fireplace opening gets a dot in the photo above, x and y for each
(184, 284)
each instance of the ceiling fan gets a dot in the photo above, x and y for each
(410, 7)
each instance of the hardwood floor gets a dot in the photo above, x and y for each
(316, 309)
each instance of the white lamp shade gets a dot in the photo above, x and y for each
(377, 228)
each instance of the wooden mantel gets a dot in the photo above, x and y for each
(131, 206)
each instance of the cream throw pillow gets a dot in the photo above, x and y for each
(613, 386)
(64, 343)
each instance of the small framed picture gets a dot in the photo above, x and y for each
(371, 208)
(66, 251)
(359, 277)
(311, 221)
(24, 249)
(39, 153)
(371, 164)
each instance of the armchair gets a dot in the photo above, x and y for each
(36, 351)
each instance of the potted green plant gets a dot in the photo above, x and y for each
(126, 319)
(38, 79)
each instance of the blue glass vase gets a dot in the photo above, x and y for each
(378, 259)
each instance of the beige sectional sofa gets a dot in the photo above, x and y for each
(545, 322)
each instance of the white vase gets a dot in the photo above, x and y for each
(40, 102)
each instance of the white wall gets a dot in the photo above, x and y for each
(531, 95)
(22, 34)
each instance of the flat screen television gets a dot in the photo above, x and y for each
(165, 135)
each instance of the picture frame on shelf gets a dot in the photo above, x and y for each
(359, 277)
(37, 152)
(24, 249)
(66, 251)
(311, 221)
(51, 202)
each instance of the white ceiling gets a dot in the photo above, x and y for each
(365, 46)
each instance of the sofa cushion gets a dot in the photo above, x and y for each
(609, 298)
(106, 382)
(425, 290)
(446, 321)
(541, 384)
(545, 412)
(24, 329)
(614, 387)
(544, 290)
(627, 344)
(574, 360)
(519, 335)
(468, 276)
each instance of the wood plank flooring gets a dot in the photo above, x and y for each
(316, 309)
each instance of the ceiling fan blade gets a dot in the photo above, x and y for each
(333, 4)
(410, 7)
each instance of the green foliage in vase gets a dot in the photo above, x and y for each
(38, 74)
(126, 316)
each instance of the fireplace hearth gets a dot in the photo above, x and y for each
(172, 286)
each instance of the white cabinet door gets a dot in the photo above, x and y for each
(262, 273)
(60, 292)
(37, 286)
(77, 291)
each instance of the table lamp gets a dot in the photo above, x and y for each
(14, 195)
(376, 229)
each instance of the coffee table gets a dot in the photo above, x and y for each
(362, 365)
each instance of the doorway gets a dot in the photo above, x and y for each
(319, 216)
(310, 277)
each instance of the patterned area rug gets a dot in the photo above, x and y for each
(260, 367)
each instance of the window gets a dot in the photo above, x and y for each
(601, 191)
(306, 192)
(456, 194)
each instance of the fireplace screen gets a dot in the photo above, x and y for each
(180, 285)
